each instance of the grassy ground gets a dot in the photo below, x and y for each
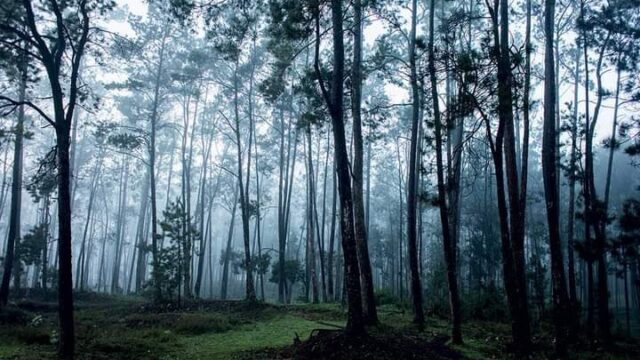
(129, 328)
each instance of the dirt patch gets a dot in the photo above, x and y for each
(334, 345)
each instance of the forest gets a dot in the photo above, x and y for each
(320, 179)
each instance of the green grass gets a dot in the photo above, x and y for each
(276, 332)
(118, 328)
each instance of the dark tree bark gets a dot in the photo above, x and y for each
(83, 252)
(573, 158)
(594, 219)
(334, 99)
(141, 234)
(16, 189)
(412, 196)
(446, 226)
(203, 218)
(120, 227)
(332, 236)
(311, 249)
(512, 213)
(157, 290)
(366, 277)
(286, 169)
(50, 52)
(244, 190)
(227, 253)
(550, 175)
(45, 249)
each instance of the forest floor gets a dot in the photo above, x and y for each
(129, 328)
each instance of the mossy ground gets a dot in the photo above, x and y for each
(129, 328)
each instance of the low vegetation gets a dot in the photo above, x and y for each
(112, 327)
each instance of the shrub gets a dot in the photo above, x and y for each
(12, 316)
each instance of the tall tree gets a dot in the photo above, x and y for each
(67, 38)
(16, 179)
(366, 278)
(550, 175)
(446, 226)
(334, 99)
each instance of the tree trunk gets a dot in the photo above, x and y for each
(334, 99)
(573, 297)
(592, 214)
(412, 196)
(120, 227)
(83, 252)
(157, 295)
(332, 236)
(366, 277)
(227, 253)
(45, 248)
(397, 275)
(141, 234)
(65, 281)
(511, 213)
(311, 250)
(552, 199)
(212, 196)
(16, 192)
(446, 226)
(244, 192)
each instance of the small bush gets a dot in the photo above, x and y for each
(31, 335)
(150, 344)
(183, 323)
(485, 305)
(196, 324)
(13, 316)
(386, 297)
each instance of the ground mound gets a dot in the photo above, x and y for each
(334, 345)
